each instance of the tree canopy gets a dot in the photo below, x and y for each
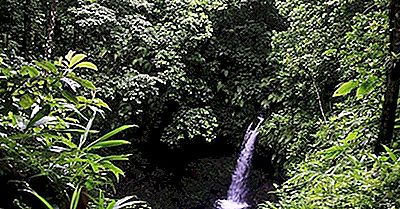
(144, 103)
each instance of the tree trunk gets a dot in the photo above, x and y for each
(27, 40)
(51, 27)
(392, 80)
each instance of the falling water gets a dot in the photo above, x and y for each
(238, 191)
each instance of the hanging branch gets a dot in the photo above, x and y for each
(392, 80)
(316, 89)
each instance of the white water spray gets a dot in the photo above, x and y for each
(238, 190)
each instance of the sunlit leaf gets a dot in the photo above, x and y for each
(366, 86)
(111, 205)
(109, 143)
(345, 88)
(75, 198)
(86, 65)
(26, 101)
(76, 59)
(68, 57)
(390, 152)
(110, 134)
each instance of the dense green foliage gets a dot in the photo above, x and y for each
(191, 75)
(46, 114)
(331, 163)
(192, 59)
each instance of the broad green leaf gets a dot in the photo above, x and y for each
(345, 88)
(86, 65)
(1, 60)
(76, 59)
(26, 101)
(39, 115)
(110, 143)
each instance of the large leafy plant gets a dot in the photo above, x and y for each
(46, 114)
(339, 169)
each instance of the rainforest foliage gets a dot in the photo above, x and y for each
(144, 103)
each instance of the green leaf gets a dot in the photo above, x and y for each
(44, 201)
(345, 88)
(111, 205)
(75, 198)
(366, 86)
(69, 55)
(114, 169)
(109, 143)
(86, 65)
(95, 167)
(67, 95)
(26, 101)
(110, 134)
(116, 157)
(100, 204)
(1, 60)
(75, 59)
(87, 129)
(329, 52)
(391, 154)
(85, 83)
(69, 143)
(115, 131)
(101, 103)
(48, 66)
(351, 136)
(39, 115)
(28, 70)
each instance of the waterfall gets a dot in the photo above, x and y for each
(238, 190)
